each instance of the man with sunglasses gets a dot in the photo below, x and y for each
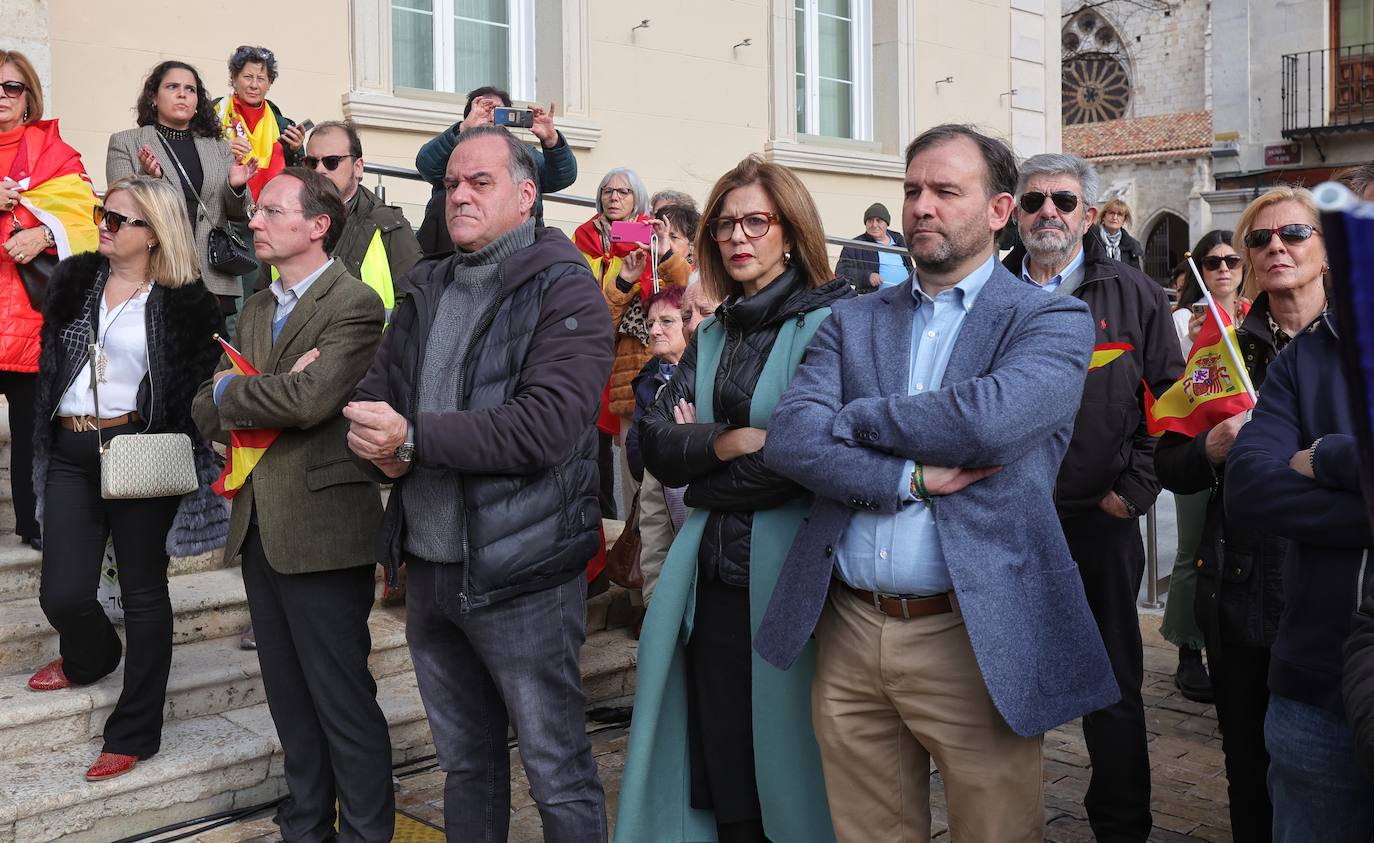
(1107, 479)
(377, 244)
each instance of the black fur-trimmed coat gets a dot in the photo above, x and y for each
(182, 354)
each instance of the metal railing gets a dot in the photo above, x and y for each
(1326, 91)
(1151, 527)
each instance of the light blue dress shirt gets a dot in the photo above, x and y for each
(287, 299)
(891, 268)
(1068, 273)
(900, 553)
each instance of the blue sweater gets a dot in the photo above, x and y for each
(1306, 396)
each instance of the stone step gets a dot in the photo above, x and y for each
(207, 764)
(218, 762)
(209, 605)
(207, 677)
(21, 565)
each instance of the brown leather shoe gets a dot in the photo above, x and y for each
(50, 678)
(109, 765)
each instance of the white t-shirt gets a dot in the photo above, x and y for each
(126, 355)
(1182, 317)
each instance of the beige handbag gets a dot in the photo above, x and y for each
(142, 465)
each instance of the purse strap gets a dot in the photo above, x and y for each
(185, 178)
(95, 386)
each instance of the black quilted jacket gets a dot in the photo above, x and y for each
(523, 440)
(684, 455)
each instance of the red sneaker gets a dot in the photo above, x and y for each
(109, 765)
(50, 677)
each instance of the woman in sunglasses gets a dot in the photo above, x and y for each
(178, 139)
(622, 267)
(1239, 562)
(692, 757)
(45, 215)
(1219, 265)
(134, 322)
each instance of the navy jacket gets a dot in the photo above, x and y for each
(845, 429)
(1306, 396)
(857, 264)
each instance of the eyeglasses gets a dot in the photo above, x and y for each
(1064, 200)
(755, 225)
(1294, 232)
(13, 89)
(112, 220)
(620, 192)
(1212, 263)
(665, 322)
(275, 213)
(330, 162)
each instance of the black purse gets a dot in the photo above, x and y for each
(35, 274)
(226, 252)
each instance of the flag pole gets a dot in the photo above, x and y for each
(1225, 337)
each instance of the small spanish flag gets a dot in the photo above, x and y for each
(1213, 387)
(1107, 352)
(246, 447)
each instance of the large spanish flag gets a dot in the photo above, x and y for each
(1214, 385)
(246, 447)
(55, 189)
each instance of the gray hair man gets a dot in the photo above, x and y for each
(481, 405)
(1107, 479)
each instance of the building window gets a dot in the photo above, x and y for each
(834, 68)
(457, 45)
(1096, 84)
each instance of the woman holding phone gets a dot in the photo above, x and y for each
(616, 244)
(1219, 265)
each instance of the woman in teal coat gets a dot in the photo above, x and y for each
(721, 747)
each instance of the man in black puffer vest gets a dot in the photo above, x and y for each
(481, 405)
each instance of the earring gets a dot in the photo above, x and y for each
(787, 258)
(26, 115)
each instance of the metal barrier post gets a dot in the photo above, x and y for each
(1151, 561)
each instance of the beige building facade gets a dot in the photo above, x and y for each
(680, 90)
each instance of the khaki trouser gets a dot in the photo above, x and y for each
(890, 695)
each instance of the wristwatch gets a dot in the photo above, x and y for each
(1130, 507)
(405, 452)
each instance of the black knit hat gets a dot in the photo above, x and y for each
(878, 210)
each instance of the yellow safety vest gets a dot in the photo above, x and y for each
(376, 273)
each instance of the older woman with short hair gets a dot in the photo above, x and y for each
(1111, 228)
(134, 319)
(45, 214)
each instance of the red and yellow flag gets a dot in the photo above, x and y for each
(1107, 352)
(1214, 385)
(246, 447)
(55, 189)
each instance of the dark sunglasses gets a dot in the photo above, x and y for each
(1294, 232)
(755, 226)
(1212, 263)
(1064, 200)
(13, 89)
(330, 162)
(112, 220)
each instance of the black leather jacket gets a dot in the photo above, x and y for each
(1240, 569)
(684, 454)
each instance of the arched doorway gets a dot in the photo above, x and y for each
(1165, 245)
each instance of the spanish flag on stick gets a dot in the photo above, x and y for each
(1214, 385)
(246, 447)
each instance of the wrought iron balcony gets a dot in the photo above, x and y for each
(1328, 91)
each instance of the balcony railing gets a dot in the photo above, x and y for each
(1328, 91)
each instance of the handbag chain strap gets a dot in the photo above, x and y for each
(185, 178)
(95, 387)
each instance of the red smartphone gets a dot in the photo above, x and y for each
(631, 232)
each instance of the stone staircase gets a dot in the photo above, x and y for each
(219, 747)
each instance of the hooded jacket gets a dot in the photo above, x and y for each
(523, 439)
(684, 454)
(1111, 449)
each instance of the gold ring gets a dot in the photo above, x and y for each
(19, 257)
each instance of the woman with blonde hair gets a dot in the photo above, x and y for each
(1111, 228)
(45, 215)
(722, 745)
(134, 322)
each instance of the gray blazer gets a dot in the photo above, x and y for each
(845, 429)
(219, 200)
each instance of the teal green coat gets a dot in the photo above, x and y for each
(655, 791)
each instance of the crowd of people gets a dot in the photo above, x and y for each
(877, 531)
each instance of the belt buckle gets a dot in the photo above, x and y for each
(86, 424)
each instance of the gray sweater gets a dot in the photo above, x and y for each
(434, 529)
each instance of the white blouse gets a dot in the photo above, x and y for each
(126, 356)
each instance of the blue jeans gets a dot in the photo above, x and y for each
(516, 662)
(1315, 781)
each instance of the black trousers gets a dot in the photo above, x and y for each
(1111, 558)
(605, 466)
(19, 389)
(313, 643)
(77, 523)
(1240, 686)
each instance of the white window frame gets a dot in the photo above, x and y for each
(519, 45)
(861, 67)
